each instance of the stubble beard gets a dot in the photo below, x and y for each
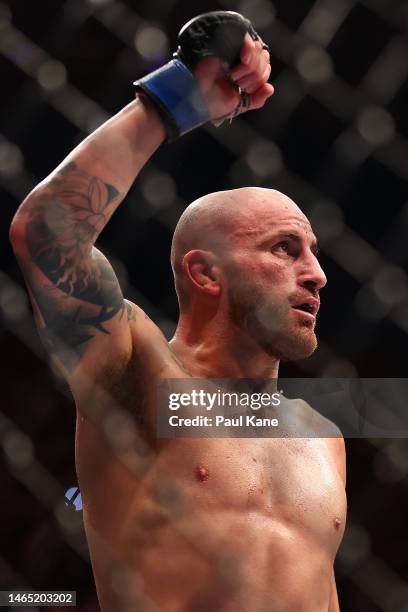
(272, 325)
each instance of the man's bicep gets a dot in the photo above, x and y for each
(79, 309)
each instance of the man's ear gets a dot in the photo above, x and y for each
(202, 269)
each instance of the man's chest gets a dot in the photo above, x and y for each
(306, 487)
(292, 482)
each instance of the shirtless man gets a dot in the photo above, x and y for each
(186, 525)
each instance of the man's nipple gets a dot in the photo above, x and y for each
(202, 474)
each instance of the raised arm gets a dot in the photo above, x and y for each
(74, 291)
(77, 301)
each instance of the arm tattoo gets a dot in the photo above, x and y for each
(130, 312)
(61, 231)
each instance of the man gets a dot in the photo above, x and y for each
(179, 525)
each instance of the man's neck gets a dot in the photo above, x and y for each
(222, 354)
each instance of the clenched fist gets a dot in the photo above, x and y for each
(220, 86)
(220, 69)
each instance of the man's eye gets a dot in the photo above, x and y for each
(283, 246)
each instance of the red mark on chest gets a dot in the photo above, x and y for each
(337, 523)
(202, 473)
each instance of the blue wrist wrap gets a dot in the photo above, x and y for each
(177, 97)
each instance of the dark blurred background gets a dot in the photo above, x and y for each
(333, 137)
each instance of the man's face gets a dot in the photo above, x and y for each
(272, 268)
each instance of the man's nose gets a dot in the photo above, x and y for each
(311, 274)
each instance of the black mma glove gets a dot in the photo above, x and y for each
(173, 88)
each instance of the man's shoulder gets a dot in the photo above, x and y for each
(313, 422)
(321, 427)
(146, 334)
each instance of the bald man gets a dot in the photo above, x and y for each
(187, 525)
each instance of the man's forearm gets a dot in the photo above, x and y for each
(98, 173)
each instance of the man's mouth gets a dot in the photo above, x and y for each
(308, 308)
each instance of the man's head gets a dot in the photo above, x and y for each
(252, 253)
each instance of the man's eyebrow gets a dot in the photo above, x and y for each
(294, 236)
